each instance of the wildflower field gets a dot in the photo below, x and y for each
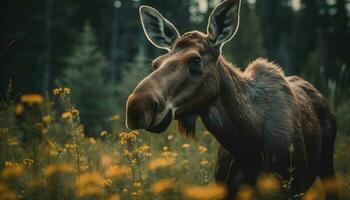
(44, 154)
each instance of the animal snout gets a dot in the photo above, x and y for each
(140, 109)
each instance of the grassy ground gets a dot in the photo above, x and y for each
(44, 154)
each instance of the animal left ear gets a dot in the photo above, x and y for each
(223, 22)
(159, 31)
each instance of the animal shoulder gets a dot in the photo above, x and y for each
(263, 70)
(269, 84)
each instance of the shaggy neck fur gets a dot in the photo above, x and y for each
(232, 118)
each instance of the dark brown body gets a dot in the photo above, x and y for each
(264, 121)
(290, 113)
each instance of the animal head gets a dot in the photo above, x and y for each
(186, 79)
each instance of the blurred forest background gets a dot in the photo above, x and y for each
(67, 67)
(98, 48)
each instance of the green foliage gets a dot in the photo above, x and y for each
(337, 95)
(85, 75)
(132, 74)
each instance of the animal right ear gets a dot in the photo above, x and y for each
(159, 31)
(223, 22)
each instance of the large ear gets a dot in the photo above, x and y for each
(223, 22)
(159, 31)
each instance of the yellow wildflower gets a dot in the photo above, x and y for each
(128, 153)
(75, 112)
(90, 190)
(90, 184)
(245, 192)
(12, 141)
(114, 197)
(70, 147)
(53, 152)
(45, 131)
(160, 162)
(103, 133)
(19, 109)
(204, 162)
(134, 193)
(28, 162)
(6, 193)
(31, 99)
(90, 178)
(185, 145)
(106, 160)
(170, 137)
(92, 140)
(267, 184)
(52, 169)
(47, 119)
(57, 91)
(212, 191)
(144, 150)
(107, 182)
(137, 184)
(70, 114)
(84, 167)
(42, 128)
(165, 148)
(11, 170)
(52, 149)
(169, 155)
(126, 137)
(66, 115)
(66, 90)
(10, 164)
(117, 171)
(163, 185)
(202, 149)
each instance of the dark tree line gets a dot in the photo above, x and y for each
(38, 36)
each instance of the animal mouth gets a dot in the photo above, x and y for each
(162, 125)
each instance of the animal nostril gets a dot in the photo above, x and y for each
(142, 110)
(155, 107)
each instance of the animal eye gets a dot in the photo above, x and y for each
(195, 65)
(195, 61)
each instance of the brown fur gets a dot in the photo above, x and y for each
(264, 121)
(277, 112)
(256, 115)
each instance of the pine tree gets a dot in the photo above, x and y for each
(85, 74)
